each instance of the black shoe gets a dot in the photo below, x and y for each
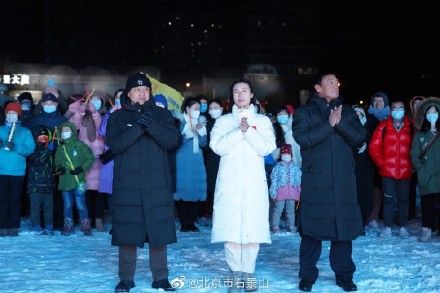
(13, 232)
(3, 232)
(162, 284)
(347, 286)
(305, 285)
(193, 228)
(124, 286)
(184, 228)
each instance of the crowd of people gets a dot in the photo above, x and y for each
(326, 169)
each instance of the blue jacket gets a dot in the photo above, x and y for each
(48, 120)
(190, 170)
(13, 162)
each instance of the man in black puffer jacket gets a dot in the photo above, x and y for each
(327, 131)
(142, 207)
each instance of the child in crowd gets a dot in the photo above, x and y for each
(73, 159)
(285, 188)
(41, 184)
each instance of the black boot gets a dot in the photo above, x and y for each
(193, 228)
(305, 285)
(124, 286)
(86, 227)
(162, 284)
(13, 232)
(347, 285)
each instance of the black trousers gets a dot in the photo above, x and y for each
(429, 209)
(395, 189)
(208, 205)
(11, 188)
(41, 201)
(187, 211)
(58, 210)
(95, 204)
(341, 261)
(128, 258)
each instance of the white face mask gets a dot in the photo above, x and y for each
(49, 108)
(286, 157)
(12, 117)
(215, 113)
(66, 135)
(195, 114)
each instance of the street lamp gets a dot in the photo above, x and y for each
(187, 84)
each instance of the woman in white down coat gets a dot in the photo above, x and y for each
(241, 206)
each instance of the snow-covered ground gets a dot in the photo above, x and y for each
(31, 263)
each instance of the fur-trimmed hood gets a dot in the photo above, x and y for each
(411, 103)
(426, 104)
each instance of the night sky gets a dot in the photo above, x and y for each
(386, 45)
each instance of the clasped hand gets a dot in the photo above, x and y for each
(335, 116)
(244, 125)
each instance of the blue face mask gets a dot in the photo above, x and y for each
(398, 114)
(97, 104)
(282, 118)
(432, 117)
(49, 108)
(203, 108)
(380, 114)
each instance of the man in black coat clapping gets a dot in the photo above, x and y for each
(327, 131)
(142, 207)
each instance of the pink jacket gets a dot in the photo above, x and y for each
(76, 112)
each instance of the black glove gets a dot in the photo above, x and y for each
(10, 145)
(145, 119)
(60, 170)
(106, 157)
(77, 171)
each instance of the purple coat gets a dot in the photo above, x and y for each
(106, 175)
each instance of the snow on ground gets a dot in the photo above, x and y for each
(76, 263)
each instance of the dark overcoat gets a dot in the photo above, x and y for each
(142, 208)
(329, 208)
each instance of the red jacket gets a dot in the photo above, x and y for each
(390, 149)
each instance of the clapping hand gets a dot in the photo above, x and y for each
(335, 116)
(244, 125)
(145, 119)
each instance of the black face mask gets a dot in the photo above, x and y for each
(41, 145)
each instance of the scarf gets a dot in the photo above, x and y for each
(380, 114)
